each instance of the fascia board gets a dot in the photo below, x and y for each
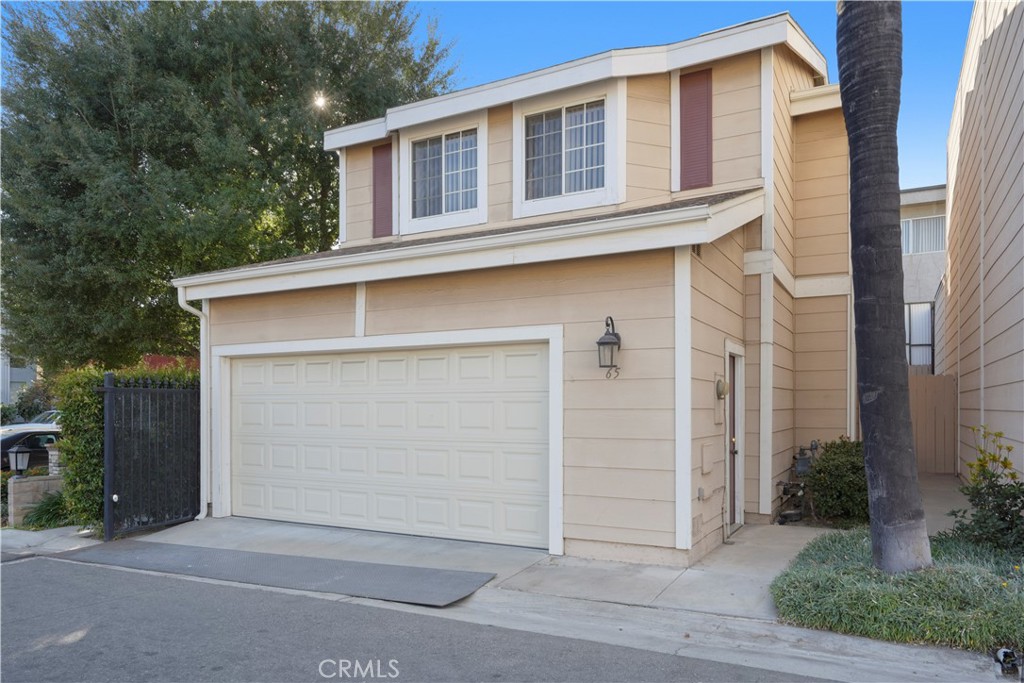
(355, 134)
(822, 98)
(798, 41)
(618, 235)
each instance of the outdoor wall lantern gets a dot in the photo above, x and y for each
(18, 456)
(721, 389)
(609, 343)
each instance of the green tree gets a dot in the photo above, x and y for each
(869, 44)
(144, 141)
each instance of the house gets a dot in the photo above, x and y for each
(438, 374)
(923, 228)
(979, 313)
(15, 374)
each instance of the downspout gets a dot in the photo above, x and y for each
(204, 401)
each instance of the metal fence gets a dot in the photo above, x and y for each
(150, 454)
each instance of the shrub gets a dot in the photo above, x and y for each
(838, 483)
(81, 443)
(996, 496)
(35, 398)
(49, 513)
(8, 413)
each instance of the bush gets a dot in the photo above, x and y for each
(972, 597)
(8, 413)
(35, 398)
(49, 513)
(81, 443)
(837, 482)
(996, 496)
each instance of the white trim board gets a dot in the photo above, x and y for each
(551, 334)
(683, 399)
(638, 232)
(733, 348)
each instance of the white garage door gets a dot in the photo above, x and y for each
(448, 442)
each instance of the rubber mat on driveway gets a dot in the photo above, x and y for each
(395, 583)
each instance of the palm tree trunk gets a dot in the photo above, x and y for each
(869, 45)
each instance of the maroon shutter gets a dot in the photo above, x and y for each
(382, 215)
(695, 130)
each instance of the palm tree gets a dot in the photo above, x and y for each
(870, 49)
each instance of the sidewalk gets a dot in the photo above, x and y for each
(718, 610)
(19, 543)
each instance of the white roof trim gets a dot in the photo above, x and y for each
(813, 100)
(922, 195)
(638, 232)
(748, 37)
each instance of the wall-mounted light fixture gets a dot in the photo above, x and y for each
(721, 389)
(607, 346)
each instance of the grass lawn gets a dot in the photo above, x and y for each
(972, 598)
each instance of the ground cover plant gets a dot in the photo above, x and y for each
(971, 598)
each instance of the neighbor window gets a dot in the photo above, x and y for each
(922, 235)
(444, 174)
(565, 150)
(918, 321)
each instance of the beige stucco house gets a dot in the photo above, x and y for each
(437, 373)
(979, 313)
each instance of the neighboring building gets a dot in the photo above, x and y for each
(980, 309)
(923, 224)
(15, 374)
(438, 375)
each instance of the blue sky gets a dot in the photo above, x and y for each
(495, 40)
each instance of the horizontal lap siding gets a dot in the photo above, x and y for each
(619, 434)
(648, 137)
(359, 184)
(980, 312)
(736, 119)
(821, 385)
(303, 314)
(789, 74)
(718, 314)
(821, 195)
(783, 374)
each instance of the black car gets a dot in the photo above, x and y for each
(36, 441)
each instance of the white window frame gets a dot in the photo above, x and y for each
(613, 93)
(945, 234)
(407, 225)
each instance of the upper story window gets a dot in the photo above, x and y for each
(568, 149)
(444, 174)
(922, 235)
(565, 150)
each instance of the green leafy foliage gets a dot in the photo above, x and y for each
(81, 443)
(49, 513)
(146, 141)
(838, 483)
(972, 597)
(35, 398)
(996, 495)
(8, 413)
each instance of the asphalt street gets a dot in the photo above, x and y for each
(64, 621)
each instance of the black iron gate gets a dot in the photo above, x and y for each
(150, 454)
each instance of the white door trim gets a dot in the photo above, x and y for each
(739, 386)
(551, 334)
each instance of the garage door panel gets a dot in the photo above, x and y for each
(439, 442)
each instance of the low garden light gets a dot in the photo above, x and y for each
(608, 345)
(18, 456)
